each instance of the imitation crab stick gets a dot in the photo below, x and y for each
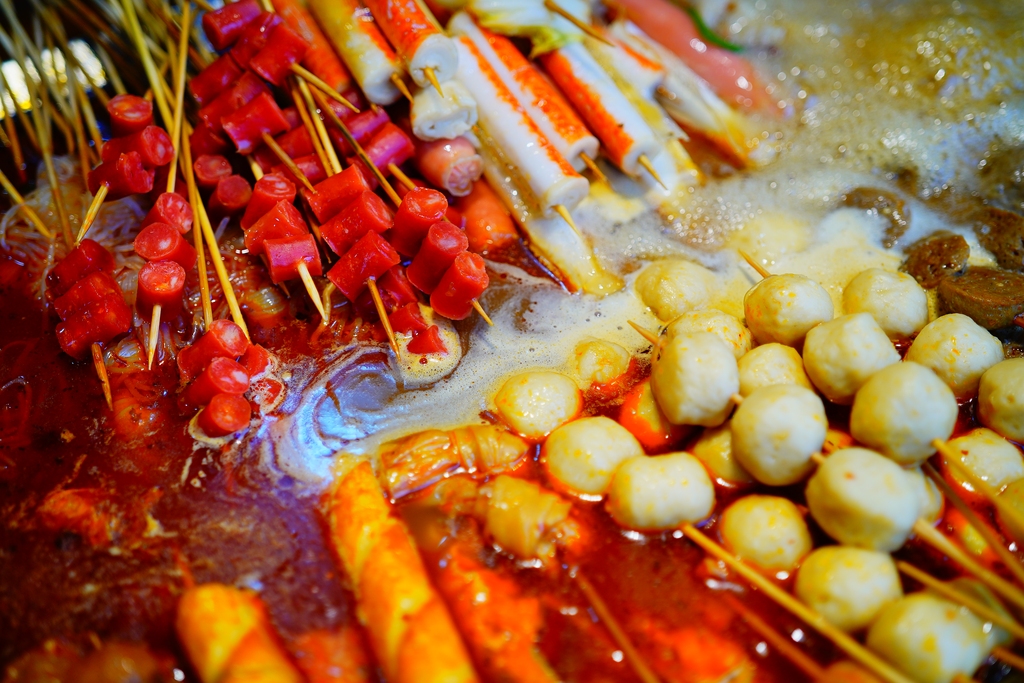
(429, 54)
(321, 59)
(410, 629)
(447, 113)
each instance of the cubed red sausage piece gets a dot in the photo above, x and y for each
(161, 242)
(123, 177)
(310, 167)
(255, 360)
(88, 257)
(225, 414)
(370, 257)
(363, 127)
(152, 143)
(223, 26)
(420, 209)
(284, 48)
(284, 220)
(163, 283)
(230, 197)
(364, 214)
(224, 339)
(268, 191)
(391, 145)
(291, 115)
(295, 143)
(221, 376)
(100, 321)
(128, 114)
(285, 254)
(395, 292)
(427, 341)
(253, 38)
(214, 79)
(209, 169)
(172, 209)
(206, 141)
(92, 287)
(444, 242)
(335, 193)
(238, 95)
(408, 319)
(247, 125)
(463, 282)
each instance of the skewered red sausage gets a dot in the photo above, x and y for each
(363, 127)
(160, 282)
(223, 27)
(310, 167)
(370, 257)
(488, 223)
(152, 143)
(284, 220)
(443, 244)
(211, 81)
(206, 141)
(255, 360)
(463, 282)
(291, 115)
(224, 339)
(88, 257)
(238, 95)
(98, 321)
(284, 48)
(268, 191)
(295, 143)
(335, 193)
(285, 254)
(220, 376)
(128, 114)
(160, 177)
(210, 169)
(427, 341)
(125, 176)
(391, 145)
(172, 209)
(253, 38)
(366, 213)
(247, 125)
(92, 287)
(225, 414)
(230, 196)
(420, 208)
(395, 292)
(408, 319)
(161, 242)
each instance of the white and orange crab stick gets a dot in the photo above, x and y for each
(428, 54)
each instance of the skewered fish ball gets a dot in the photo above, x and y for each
(863, 499)
(673, 287)
(897, 303)
(766, 531)
(583, 455)
(848, 586)
(928, 638)
(535, 403)
(776, 430)
(770, 364)
(988, 457)
(714, 449)
(600, 362)
(651, 493)
(726, 327)
(694, 377)
(1001, 399)
(928, 492)
(900, 410)
(996, 635)
(842, 354)
(958, 350)
(784, 308)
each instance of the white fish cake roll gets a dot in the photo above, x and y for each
(714, 449)
(932, 501)
(848, 586)
(928, 638)
(769, 364)
(900, 410)
(442, 118)
(784, 308)
(863, 499)
(437, 51)
(766, 531)
(958, 350)
(1001, 399)
(988, 457)
(653, 493)
(693, 378)
(535, 403)
(583, 455)
(725, 326)
(897, 303)
(600, 362)
(776, 430)
(841, 354)
(673, 287)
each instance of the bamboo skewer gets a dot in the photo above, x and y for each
(51, 171)
(19, 202)
(781, 643)
(575, 21)
(110, 70)
(20, 115)
(12, 133)
(382, 312)
(218, 266)
(645, 333)
(432, 77)
(193, 199)
(594, 168)
(567, 217)
(287, 161)
(154, 335)
(179, 95)
(92, 212)
(761, 270)
(396, 79)
(334, 167)
(981, 486)
(307, 122)
(101, 372)
(646, 163)
(316, 82)
(1007, 657)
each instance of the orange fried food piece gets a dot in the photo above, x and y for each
(333, 656)
(86, 512)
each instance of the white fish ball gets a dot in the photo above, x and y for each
(988, 457)
(848, 586)
(583, 455)
(714, 449)
(651, 493)
(770, 364)
(897, 303)
(766, 531)
(842, 354)
(784, 308)
(727, 327)
(958, 350)
(600, 362)
(1001, 399)
(694, 377)
(535, 403)
(673, 287)
(932, 501)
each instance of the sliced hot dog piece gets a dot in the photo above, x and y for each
(253, 38)
(225, 414)
(295, 143)
(443, 244)
(214, 79)
(335, 193)
(370, 257)
(284, 49)
(206, 141)
(309, 165)
(152, 143)
(268, 191)
(230, 196)
(992, 297)
(172, 209)
(224, 339)
(366, 213)
(160, 283)
(395, 292)
(88, 257)
(125, 176)
(225, 25)
(247, 125)
(255, 360)
(92, 287)
(209, 169)
(420, 208)
(161, 242)
(465, 280)
(238, 95)
(99, 321)
(408, 319)
(391, 145)
(285, 254)
(284, 220)
(427, 341)
(363, 127)
(129, 114)
(220, 376)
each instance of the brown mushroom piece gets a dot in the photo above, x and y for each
(887, 205)
(992, 297)
(931, 259)
(1002, 233)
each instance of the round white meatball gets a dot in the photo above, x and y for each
(988, 457)
(958, 350)
(842, 354)
(770, 364)
(535, 403)
(973, 588)
(651, 493)
(900, 410)
(848, 586)
(776, 430)
(714, 449)
(726, 327)
(897, 303)
(784, 308)
(673, 287)
(694, 377)
(1001, 399)
(863, 499)
(583, 455)
(766, 531)
(932, 502)
(600, 362)
(928, 638)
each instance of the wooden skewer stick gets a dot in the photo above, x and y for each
(784, 645)
(94, 210)
(320, 85)
(594, 168)
(432, 77)
(197, 239)
(761, 270)
(334, 167)
(101, 372)
(645, 333)
(646, 163)
(29, 212)
(307, 122)
(382, 312)
(981, 486)
(575, 21)
(842, 640)
(567, 217)
(179, 93)
(155, 81)
(110, 70)
(287, 161)
(154, 334)
(396, 78)
(1007, 657)
(19, 114)
(483, 314)
(311, 290)
(13, 143)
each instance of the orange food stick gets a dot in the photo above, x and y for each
(321, 58)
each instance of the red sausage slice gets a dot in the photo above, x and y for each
(309, 165)
(268, 191)
(163, 283)
(224, 339)
(88, 257)
(92, 287)
(125, 176)
(225, 25)
(427, 341)
(212, 81)
(221, 376)
(241, 93)
(225, 414)
(128, 114)
(206, 141)
(210, 169)
(284, 220)
(463, 282)
(366, 213)
(152, 143)
(284, 48)
(295, 143)
(408, 319)
(395, 292)
(253, 38)
(99, 321)
(420, 208)
(444, 242)
(363, 127)
(391, 145)
(285, 254)
(247, 125)
(172, 209)
(230, 197)
(334, 194)
(255, 360)
(161, 242)
(370, 257)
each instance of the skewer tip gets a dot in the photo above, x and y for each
(432, 77)
(552, 6)
(314, 295)
(483, 314)
(645, 333)
(646, 163)
(761, 270)
(382, 312)
(396, 78)
(154, 336)
(567, 217)
(93, 211)
(594, 168)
